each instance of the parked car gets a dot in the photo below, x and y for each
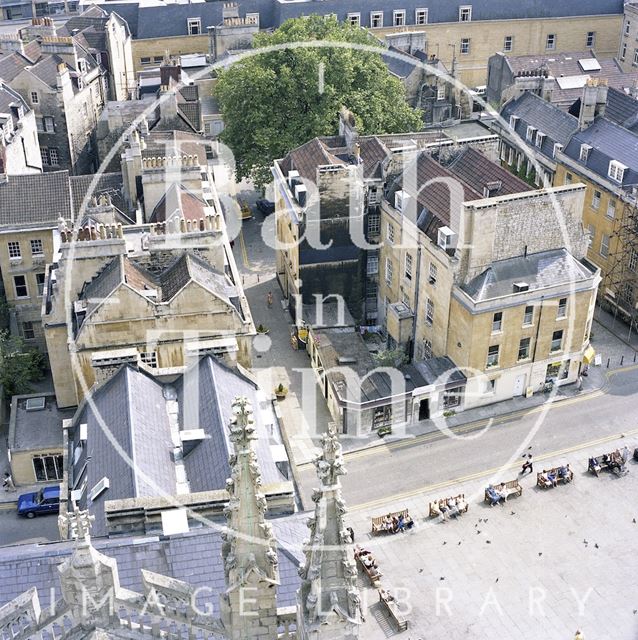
(265, 206)
(47, 500)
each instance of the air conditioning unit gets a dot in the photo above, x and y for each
(401, 199)
(301, 194)
(99, 488)
(84, 427)
(292, 175)
(521, 286)
(446, 238)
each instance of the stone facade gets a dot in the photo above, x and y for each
(628, 49)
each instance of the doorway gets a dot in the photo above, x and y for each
(519, 385)
(424, 410)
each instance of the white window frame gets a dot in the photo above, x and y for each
(421, 16)
(14, 250)
(194, 23)
(550, 42)
(633, 260)
(584, 152)
(529, 323)
(561, 311)
(529, 133)
(492, 358)
(354, 19)
(372, 267)
(374, 223)
(429, 312)
(27, 327)
(553, 347)
(508, 44)
(465, 13)
(398, 18)
(497, 323)
(390, 233)
(35, 98)
(37, 247)
(635, 56)
(48, 122)
(590, 40)
(595, 199)
(433, 273)
(623, 52)
(604, 246)
(540, 136)
(426, 349)
(254, 17)
(54, 159)
(528, 348)
(149, 358)
(465, 47)
(557, 148)
(389, 271)
(40, 284)
(627, 27)
(409, 261)
(376, 16)
(26, 286)
(616, 170)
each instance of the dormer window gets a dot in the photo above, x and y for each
(530, 134)
(194, 26)
(616, 171)
(540, 136)
(82, 65)
(584, 152)
(513, 121)
(465, 13)
(557, 148)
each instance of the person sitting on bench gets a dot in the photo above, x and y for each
(387, 523)
(494, 496)
(544, 478)
(453, 507)
(400, 524)
(408, 522)
(368, 561)
(594, 466)
(551, 476)
(563, 473)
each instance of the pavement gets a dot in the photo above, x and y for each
(544, 565)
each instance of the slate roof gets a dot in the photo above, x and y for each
(171, 19)
(532, 110)
(39, 429)
(400, 67)
(180, 201)
(539, 270)
(11, 64)
(168, 281)
(477, 171)
(193, 557)
(41, 198)
(608, 141)
(130, 440)
(622, 109)
(9, 97)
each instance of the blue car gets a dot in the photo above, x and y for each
(47, 500)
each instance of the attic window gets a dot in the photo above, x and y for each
(616, 171)
(530, 134)
(540, 136)
(82, 65)
(194, 26)
(513, 120)
(584, 152)
(36, 404)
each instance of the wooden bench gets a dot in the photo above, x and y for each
(606, 462)
(567, 478)
(510, 488)
(435, 507)
(374, 575)
(377, 523)
(392, 609)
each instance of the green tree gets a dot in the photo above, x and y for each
(19, 366)
(272, 102)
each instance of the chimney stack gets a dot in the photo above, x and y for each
(592, 102)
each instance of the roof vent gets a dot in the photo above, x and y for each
(301, 194)
(190, 438)
(520, 287)
(99, 488)
(174, 521)
(446, 238)
(36, 404)
(346, 360)
(401, 199)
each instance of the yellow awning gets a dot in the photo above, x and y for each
(588, 356)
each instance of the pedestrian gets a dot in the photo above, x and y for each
(269, 299)
(579, 383)
(351, 532)
(579, 635)
(528, 465)
(7, 483)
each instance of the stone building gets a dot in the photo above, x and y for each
(64, 85)
(474, 30)
(175, 584)
(604, 158)
(473, 254)
(19, 150)
(31, 207)
(628, 50)
(108, 37)
(558, 78)
(329, 191)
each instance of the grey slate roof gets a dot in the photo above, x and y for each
(129, 433)
(37, 429)
(532, 110)
(193, 557)
(9, 98)
(107, 183)
(171, 19)
(608, 141)
(622, 109)
(538, 270)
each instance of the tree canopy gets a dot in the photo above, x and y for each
(19, 366)
(275, 101)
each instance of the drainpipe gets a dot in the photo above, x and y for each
(417, 280)
(538, 329)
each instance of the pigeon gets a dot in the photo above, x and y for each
(442, 578)
(596, 545)
(585, 541)
(476, 525)
(540, 553)
(496, 580)
(420, 570)
(485, 520)
(444, 542)
(528, 448)
(488, 542)
(459, 543)
(634, 520)
(477, 531)
(635, 611)
(512, 513)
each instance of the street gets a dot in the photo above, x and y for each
(14, 529)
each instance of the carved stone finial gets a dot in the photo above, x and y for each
(78, 524)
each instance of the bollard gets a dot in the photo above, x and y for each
(635, 352)
(608, 363)
(622, 359)
(257, 277)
